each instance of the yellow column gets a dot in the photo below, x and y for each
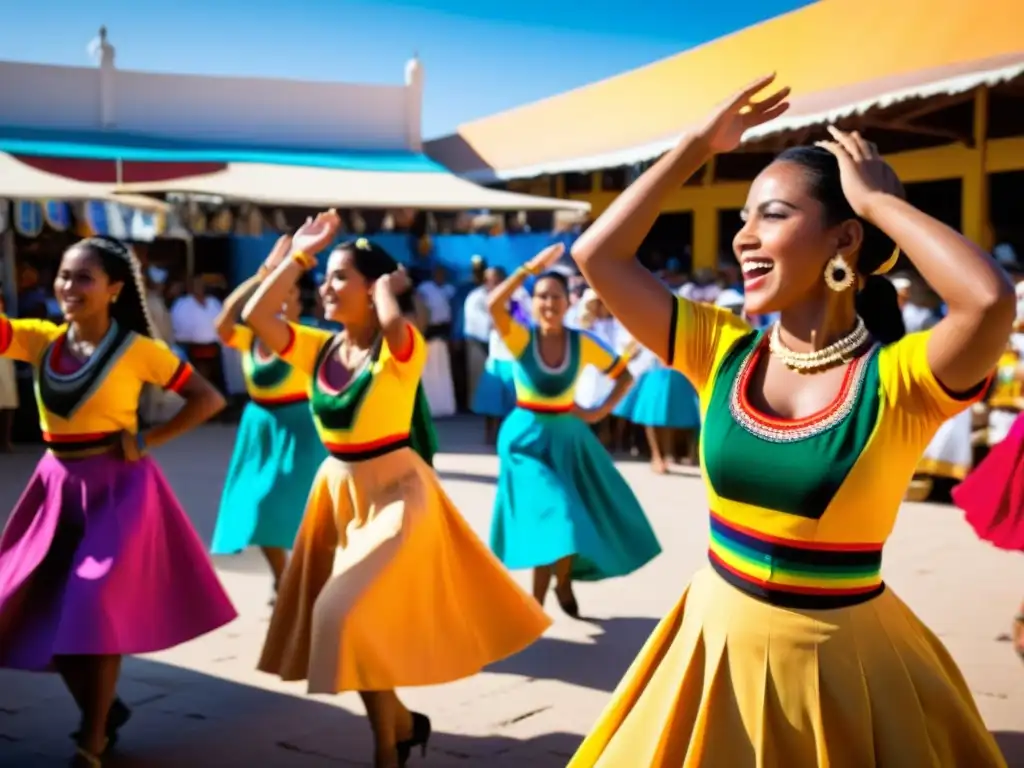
(974, 204)
(705, 223)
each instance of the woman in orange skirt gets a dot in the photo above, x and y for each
(417, 598)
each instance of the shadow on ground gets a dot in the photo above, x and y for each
(1012, 744)
(185, 718)
(599, 664)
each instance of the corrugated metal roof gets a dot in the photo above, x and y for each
(828, 45)
(814, 109)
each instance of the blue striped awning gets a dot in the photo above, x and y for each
(129, 147)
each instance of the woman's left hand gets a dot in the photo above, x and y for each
(865, 176)
(398, 282)
(587, 415)
(130, 450)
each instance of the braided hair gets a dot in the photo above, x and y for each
(121, 265)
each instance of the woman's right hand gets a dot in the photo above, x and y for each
(316, 234)
(545, 259)
(735, 116)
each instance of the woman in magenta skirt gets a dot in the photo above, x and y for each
(98, 560)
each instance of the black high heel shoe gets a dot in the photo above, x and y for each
(420, 737)
(120, 713)
(568, 604)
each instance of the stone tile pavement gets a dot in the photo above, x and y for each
(204, 704)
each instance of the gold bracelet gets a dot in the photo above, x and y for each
(304, 260)
(527, 271)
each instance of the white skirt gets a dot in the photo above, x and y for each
(592, 388)
(950, 454)
(999, 422)
(8, 385)
(437, 379)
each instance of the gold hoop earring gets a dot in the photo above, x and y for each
(839, 275)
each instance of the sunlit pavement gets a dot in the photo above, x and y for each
(204, 704)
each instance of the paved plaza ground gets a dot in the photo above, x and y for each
(204, 704)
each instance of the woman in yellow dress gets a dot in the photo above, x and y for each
(789, 650)
(417, 598)
(98, 560)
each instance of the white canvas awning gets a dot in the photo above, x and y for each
(311, 187)
(19, 181)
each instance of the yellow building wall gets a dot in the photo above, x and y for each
(969, 164)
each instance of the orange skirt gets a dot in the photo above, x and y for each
(416, 598)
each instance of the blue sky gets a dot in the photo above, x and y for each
(479, 57)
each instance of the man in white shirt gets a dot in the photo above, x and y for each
(437, 294)
(477, 325)
(194, 321)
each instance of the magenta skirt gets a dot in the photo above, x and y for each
(992, 496)
(99, 558)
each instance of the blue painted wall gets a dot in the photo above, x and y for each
(454, 252)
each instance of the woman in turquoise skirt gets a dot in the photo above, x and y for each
(277, 451)
(562, 507)
(665, 404)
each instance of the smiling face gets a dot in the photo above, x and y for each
(345, 292)
(786, 240)
(550, 302)
(82, 287)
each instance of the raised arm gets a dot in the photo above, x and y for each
(393, 324)
(499, 299)
(263, 311)
(966, 344)
(231, 312)
(606, 252)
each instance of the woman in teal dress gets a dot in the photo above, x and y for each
(277, 451)
(562, 507)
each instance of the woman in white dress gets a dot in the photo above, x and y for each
(435, 296)
(8, 394)
(593, 387)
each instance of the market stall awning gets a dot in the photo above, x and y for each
(832, 44)
(19, 181)
(267, 184)
(267, 175)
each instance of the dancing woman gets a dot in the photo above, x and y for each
(98, 560)
(790, 650)
(417, 599)
(665, 404)
(562, 507)
(277, 450)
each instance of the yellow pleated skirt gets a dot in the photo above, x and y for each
(415, 597)
(728, 681)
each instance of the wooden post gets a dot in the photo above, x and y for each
(705, 224)
(975, 219)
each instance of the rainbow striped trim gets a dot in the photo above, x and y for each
(795, 574)
(180, 378)
(355, 452)
(542, 407)
(6, 334)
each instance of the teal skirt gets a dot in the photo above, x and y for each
(661, 397)
(559, 494)
(277, 455)
(495, 394)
